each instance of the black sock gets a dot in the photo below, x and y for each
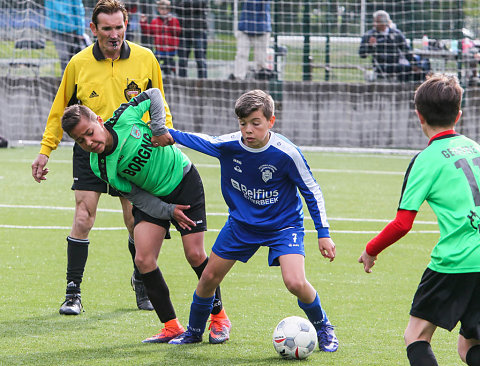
(217, 302)
(159, 295)
(77, 254)
(131, 248)
(420, 354)
(473, 356)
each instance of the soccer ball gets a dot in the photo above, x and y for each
(295, 338)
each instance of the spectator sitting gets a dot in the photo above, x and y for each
(166, 31)
(391, 55)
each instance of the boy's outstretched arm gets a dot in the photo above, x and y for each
(395, 230)
(327, 248)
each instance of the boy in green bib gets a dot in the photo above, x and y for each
(164, 187)
(446, 174)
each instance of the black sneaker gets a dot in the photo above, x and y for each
(143, 302)
(72, 305)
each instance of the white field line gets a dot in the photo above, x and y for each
(208, 214)
(320, 170)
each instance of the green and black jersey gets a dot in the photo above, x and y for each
(102, 85)
(447, 175)
(133, 159)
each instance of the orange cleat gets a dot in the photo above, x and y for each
(172, 329)
(219, 327)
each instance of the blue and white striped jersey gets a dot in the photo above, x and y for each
(260, 185)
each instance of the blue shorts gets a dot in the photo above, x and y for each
(287, 241)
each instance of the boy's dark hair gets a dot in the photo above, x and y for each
(438, 99)
(72, 115)
(252, 101)
(108, 7)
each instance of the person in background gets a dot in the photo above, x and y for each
(391, 54)
(102, 76)
(471, 54)
(66, 22)
(254, 28)
(192, 15)
(133, 26)
(166, 31)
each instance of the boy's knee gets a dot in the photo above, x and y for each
(144, 263)
(195, 257)
(294, 285)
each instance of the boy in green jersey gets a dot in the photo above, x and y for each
(163, 186)
(446, 174)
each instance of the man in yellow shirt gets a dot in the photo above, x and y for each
(101, 77)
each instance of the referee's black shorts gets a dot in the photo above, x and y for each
(188, 192)
(83, 177)
(444, 299)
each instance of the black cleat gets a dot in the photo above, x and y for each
(143, 302)
(72, 305)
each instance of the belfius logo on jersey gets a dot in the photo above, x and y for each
(258, 196)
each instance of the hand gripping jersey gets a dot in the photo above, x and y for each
(260, 185)
(133, 159)
(447, 175)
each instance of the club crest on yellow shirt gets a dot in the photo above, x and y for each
(131, 91)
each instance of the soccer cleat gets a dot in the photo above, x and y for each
(327, 340)
(172, 329)
(186, 338)
(219, 327)
(72, 305)
(143, 302)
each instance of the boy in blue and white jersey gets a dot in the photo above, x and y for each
(261, 174)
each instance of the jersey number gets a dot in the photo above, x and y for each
(467, 170)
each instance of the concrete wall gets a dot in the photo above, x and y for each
(310, 114)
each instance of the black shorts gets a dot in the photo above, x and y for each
(444, 299)
(83, 177)
(188, 192)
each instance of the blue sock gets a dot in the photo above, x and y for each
(199, 311)
(314, 312)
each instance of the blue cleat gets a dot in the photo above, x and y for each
(186, 338)
(327, 340)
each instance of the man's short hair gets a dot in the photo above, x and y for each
(252, 101)
(108, 7)
(382, 17)
(438, 99)
(72, 115)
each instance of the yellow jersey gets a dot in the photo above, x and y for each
(102, 85)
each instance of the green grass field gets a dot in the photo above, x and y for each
(370, 311)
